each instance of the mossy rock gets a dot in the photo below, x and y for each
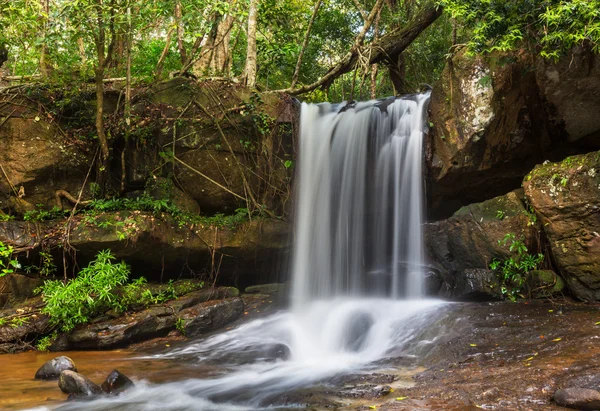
(566, 196)
(545, 283)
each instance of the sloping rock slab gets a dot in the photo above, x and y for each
(155, 322)
(211, 315)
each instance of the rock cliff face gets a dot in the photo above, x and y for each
(494, 118)
(209, 148)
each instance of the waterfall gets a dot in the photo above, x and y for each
(359, 200)
(358, 242)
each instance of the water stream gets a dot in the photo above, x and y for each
(357, 280)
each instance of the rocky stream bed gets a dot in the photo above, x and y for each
(504, 356)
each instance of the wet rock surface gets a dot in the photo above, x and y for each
(210, 315)
(77, 385)
(209, 309)
(116, 382)
(578, 398)
(503, 356)
(52, 369)
(476, 284)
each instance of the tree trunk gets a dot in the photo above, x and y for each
(304, 45)
(45, 67)
(397, 69)
(163, 55)
(215, 53)
(375, 67)
(250, 70)
(180, 46)
(392, 43)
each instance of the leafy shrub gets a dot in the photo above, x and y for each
(8, 264)
(512, 271)
(100, 287)
(90, 293)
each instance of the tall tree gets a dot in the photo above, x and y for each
(250, 69)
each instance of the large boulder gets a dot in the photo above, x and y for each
(77, 385)
(489, 128)
(583, 399)
(52, 368)
(116, 382)
(566, 196)
(470, 240)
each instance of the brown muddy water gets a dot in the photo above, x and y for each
(500, 356)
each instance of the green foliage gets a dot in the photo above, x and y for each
(8, 263)
(6, 217)
(158, 206)
(89, 294)
(39, 214)
(44, 343)
(180, 325)
(47, 266)
(500, 215)
(100, 287)
(553, 26)
(512, 271)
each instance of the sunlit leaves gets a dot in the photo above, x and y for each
(551, 26)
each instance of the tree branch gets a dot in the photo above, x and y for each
(390, 44)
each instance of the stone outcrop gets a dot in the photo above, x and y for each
(37, 160)
(202, 310)
(16, 288)
(489, 129)
(494, 117)
(161, 248)
(566, 196)
(470, 240)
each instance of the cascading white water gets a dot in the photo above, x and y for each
(359, 200)
(358, 247)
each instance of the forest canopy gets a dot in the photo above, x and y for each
(325, 49)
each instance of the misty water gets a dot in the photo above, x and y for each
(357, 272)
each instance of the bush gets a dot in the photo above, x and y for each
(100, 287)
(91, 293)
(512, 271)
(7, 262)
